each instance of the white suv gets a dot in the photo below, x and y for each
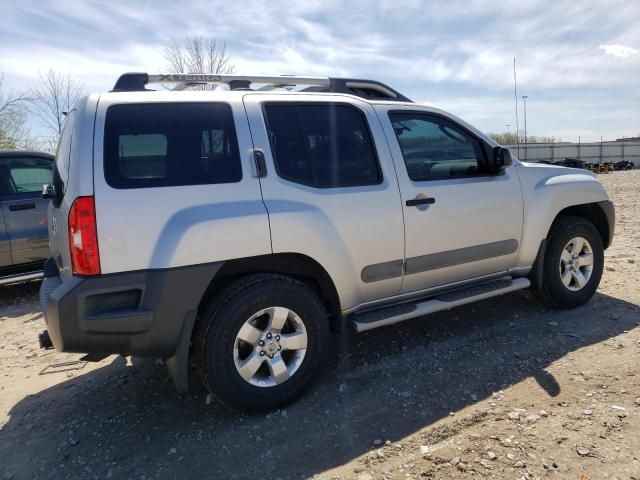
(237, 227)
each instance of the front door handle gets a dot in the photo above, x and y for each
(22, 206)
(420, 201)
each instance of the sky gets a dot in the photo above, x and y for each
(577, 61)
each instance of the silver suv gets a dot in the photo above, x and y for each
(238, 227)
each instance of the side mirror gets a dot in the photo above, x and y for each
(47, 191)
(501, 158)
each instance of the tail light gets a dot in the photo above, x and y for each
(83, 237)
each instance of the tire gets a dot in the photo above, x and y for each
(252, 305)
(556, 268)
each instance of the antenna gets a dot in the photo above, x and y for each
(515, 97)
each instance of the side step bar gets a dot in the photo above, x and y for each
(390, 315)
(20, 277)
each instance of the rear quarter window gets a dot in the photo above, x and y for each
(61, 168)
(170, 144)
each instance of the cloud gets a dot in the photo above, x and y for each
(618, 50)
(442, 51)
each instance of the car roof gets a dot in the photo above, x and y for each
(24, 153)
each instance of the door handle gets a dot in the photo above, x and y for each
(261, 165)
(22, 206)
(420, 201)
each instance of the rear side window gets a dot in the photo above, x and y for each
(170, 144)
(322, 145)
(24, 175)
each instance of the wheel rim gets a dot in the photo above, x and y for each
(270, 346)
(576, 264)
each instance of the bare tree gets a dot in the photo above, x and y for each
(53, 98)
(198, 55)
(509, 138)
(14, 133)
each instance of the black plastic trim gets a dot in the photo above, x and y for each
(537, 270)
(459, 256)
(152, 329)
(381, 271)
(609, 212)
(50, 268)
(414, 202)
(434, 261)
(340, 85)
(131, 82)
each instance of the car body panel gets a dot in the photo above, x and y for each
(165, 227)
(547, 190)
(76, 151)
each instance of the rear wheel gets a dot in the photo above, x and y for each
(573, 262)
(261, 341)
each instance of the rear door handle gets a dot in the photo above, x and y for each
(261, 165)
(420, 201)
(22, 206)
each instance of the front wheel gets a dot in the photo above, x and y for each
(573, 262)
(261, 341)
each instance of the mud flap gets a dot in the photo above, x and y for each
(537, 269)
(178, 365)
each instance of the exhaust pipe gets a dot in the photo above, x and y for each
(45, 340)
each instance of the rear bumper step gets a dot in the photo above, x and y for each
(398, 313)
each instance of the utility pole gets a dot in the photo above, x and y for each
(524, 98)
(515, 97)
(526, 146)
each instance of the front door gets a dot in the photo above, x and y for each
(23, 208)
(460, 223)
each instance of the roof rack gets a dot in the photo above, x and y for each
(369, 89)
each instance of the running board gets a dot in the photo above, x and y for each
(21, 277)
(390, 315)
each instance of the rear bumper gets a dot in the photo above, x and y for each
(133, 313)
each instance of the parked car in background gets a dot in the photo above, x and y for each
(572, 163)
(24, 241)
(623, 165)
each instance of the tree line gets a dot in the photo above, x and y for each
(56, 92)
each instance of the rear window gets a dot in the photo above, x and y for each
(170, 144)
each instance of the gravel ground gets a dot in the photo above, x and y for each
(505, 388)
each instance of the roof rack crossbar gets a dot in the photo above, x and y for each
(370, 89)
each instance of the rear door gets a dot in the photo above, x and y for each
(331, 190)
(23, 209)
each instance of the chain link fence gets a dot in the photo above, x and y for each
(596, 153)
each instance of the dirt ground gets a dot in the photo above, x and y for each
(506, 388)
